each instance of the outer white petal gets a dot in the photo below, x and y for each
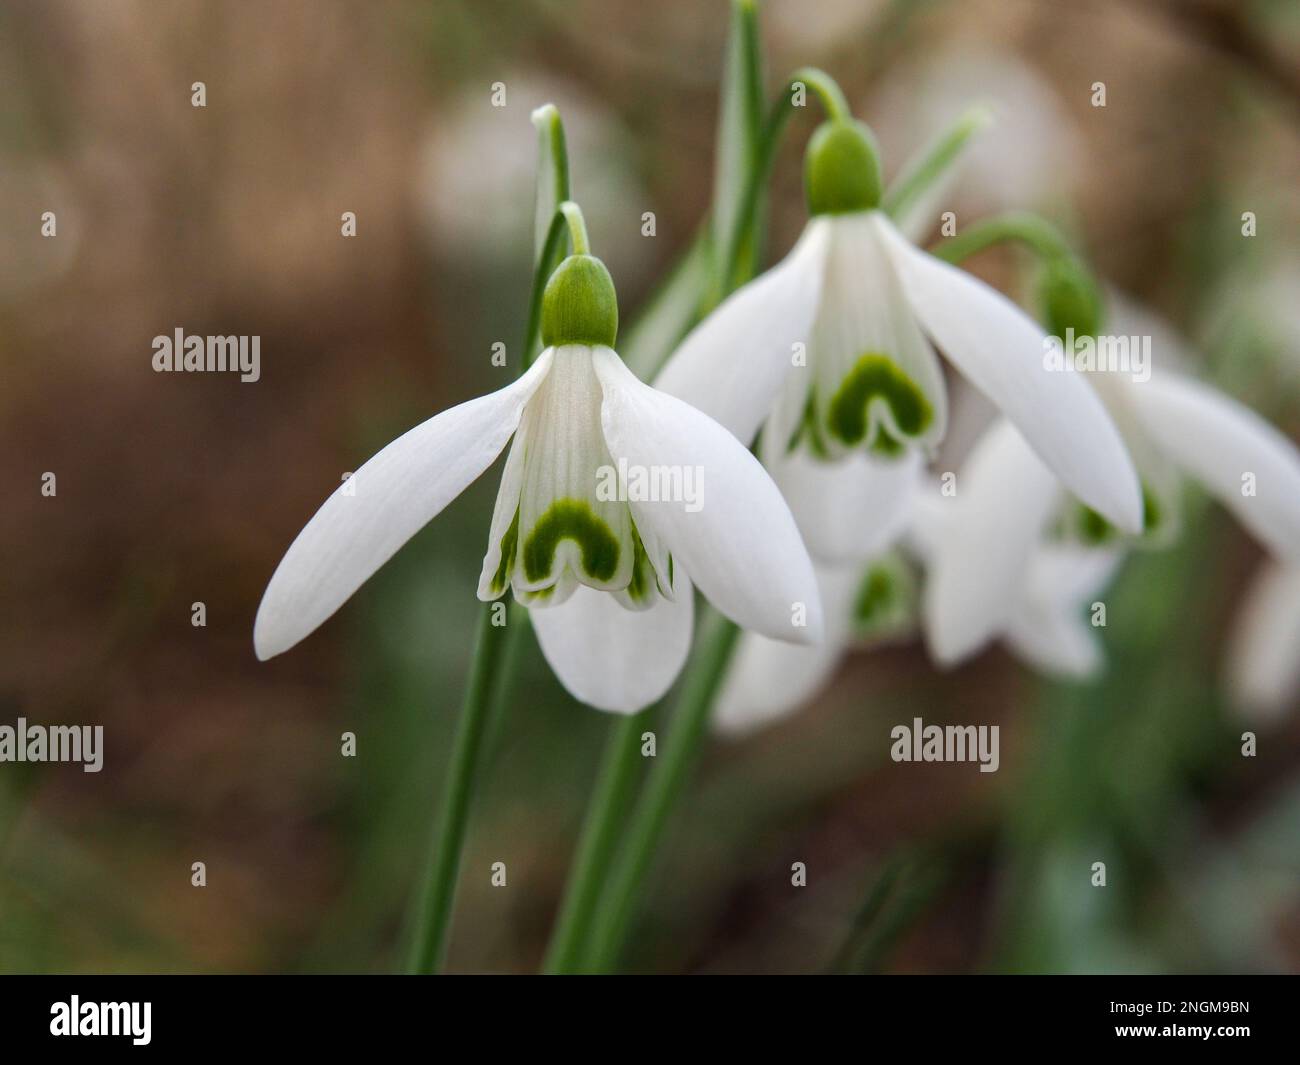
(1264, 655)
(1050, 630)
(1127, 317)
(1217, 440)
(1055, 643)
(931, 513)
(1000, 350)
(740, 545)
(387, 501)
(770, 679)
(848, 510)
(978, 556)
(613, 658)
(732, 364)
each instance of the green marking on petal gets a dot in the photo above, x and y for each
(886, 445)
(808, 430)
(876, 375)
(509, 543)
(571, 519)
(642, 586)
(1152, 511)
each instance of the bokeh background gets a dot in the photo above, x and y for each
(180, 488)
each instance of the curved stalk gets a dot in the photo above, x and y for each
(685, 737)
(429, 946)
(1022, 226)
(609, 804)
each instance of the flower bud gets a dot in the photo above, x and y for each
(579, 305)
(1070, 299)
(842, 168)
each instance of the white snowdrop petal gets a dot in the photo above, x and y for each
(1000, 350)
(1240, 458)
(1264, 653)
(769, 679)
(848, 510)
(613, 658)
(732, 364)
(737, 540)
(566, 522)
(978, 554)
(381, 506)
(873, 369)
(1052, 630)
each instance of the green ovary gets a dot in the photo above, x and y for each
(847, 417)
(876, 596)
(1095, 530)
(571, 519)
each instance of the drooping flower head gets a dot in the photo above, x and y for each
(1009, 504)
(606, 570)
(832, 351)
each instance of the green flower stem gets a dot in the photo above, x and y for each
(577, 227)
(835, 106)
(518, 624)
(609, 803)
(433, 921)
(832, 98)
(668, 778)
(1029, 229)
(933, 161)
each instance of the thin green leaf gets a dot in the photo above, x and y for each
(906, 196)
(740, 132)
(550, 236)
(552, 172)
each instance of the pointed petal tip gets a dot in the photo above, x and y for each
(1127, 512)
(267, 642)
(813, 631)
(949, 642)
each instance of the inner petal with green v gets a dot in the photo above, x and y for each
(879, 405)
(876, 383)
(554, 527)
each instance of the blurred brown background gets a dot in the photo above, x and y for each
(177, 488)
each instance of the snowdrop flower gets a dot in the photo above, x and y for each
(1039, 594)
(1175, 427)
(1264, 653)
(868, 605)
(830, 350)
(608, 579)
